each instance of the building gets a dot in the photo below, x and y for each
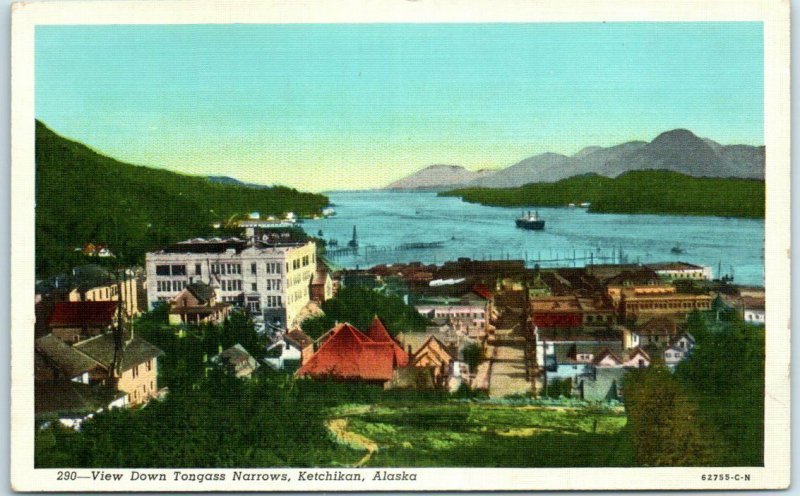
(73, 321)
(678, 350)
(681, 270)
(270, 275)
(637, 303)
(754, 310)
(87, 283)
(136, 373)
(321, 285)
(657, 332)
(290, 351)
(439, 358)
(347, 354)
(236, 361)
(471, 315)
(89, 362)
(571, 312)
(197, 304)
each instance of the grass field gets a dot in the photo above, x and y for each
(481, 435)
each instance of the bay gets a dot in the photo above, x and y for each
(385, 220)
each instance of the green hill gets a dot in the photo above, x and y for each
(638, 192)
(82, 196)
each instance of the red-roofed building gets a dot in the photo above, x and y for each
(378, 333)
(482, 291)
(72, 321)
(350, 355)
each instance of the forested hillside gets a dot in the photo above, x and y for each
(84, 197)
(638, 192)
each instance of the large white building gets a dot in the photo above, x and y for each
(268, 276)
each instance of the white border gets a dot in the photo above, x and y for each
(774, 15)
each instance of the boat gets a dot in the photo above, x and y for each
(585, 205)
(533, 222)
(677, 249)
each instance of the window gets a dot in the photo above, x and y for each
(197, 269)
(135, 371)
(254, 287)
(178, 270)
(148, 365)
(668, 355)
(252, 268)
(162, 270)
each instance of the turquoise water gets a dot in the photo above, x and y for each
(386, 219)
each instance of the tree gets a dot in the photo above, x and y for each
(473, 355)
(359, 306)
(665, 427)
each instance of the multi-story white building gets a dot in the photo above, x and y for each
(681, 270)
(268, 276)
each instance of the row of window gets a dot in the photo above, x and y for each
(458, 314)
(170, 270)
(167, 286)
(134, 396)
(298, 295)
(226, 268)
(273, 268)
(103, 293)
(148, 366)
(599, 318)
(231, 285)
(274, 302)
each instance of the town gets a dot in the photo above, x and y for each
(490, 329)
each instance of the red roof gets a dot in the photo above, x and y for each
(83, 313)
(350, 355)
(378, 333)
(482, 291)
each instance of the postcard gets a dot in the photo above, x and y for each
(400, 246)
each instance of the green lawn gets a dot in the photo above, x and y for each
(456, 434)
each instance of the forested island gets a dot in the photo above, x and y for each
(636, 192)
(85, 197)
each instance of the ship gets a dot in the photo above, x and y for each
(529, 221)
(677, 250)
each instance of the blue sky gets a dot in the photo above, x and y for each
(322, 107)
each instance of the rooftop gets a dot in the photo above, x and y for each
(65, 397)
(135, 351)
(348, 354)
(62, 356)
(83, 313)
(673, 266)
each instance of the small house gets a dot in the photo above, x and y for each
(237, 361)
(197, 304)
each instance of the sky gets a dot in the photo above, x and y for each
(326, 107)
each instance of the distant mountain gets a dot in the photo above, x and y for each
(439, 176)
(678, 150)
(235, 182)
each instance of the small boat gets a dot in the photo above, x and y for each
(586, 205)
(677, 249)
(571, 205)
(533, 222)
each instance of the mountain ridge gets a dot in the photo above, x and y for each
(677, 150)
